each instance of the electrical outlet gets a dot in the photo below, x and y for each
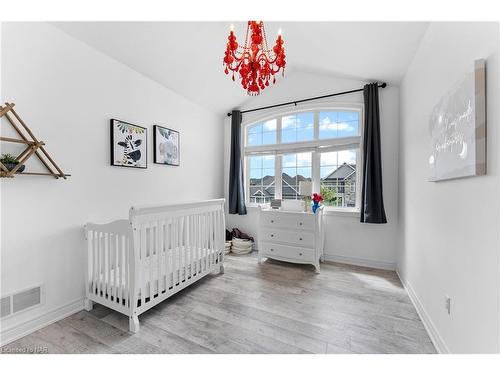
(447, 304)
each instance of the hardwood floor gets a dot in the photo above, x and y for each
(272, 308)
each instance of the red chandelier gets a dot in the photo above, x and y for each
(255, 62)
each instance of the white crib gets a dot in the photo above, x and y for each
(134, 264)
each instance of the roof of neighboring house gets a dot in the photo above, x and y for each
(289, 185)
(342, 172)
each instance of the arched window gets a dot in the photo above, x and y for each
(320, 144)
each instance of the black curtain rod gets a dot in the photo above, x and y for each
(382, 85)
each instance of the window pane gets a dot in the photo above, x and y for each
(338, 178)
(255, 162)
(254, 139)
(297, 127)
(262, 133)
(338, 124)
(255, 128)
(261, 176)
(268, 162)
(296, 168)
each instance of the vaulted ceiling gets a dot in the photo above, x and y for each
(187, 56)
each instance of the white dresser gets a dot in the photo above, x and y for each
(296, 237)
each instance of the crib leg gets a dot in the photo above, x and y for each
(221, 268)
(133, 324)
(88, 304)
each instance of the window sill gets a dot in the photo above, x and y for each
(255, 206)
(327, 211)
(341, 212)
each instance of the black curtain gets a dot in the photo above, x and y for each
(236, 189)
(372, 201)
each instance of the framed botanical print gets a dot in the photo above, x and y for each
(166, 146)
(128, 145)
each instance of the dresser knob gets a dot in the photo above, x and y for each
(300, 254)
(272, 221)
(272, 235)
(300, 239)
(272, 249)
(300, 223)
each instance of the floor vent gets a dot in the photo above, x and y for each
(21, 301)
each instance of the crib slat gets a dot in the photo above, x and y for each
(99, 265)
(112, 254)
(159, 252)
(166, 250)
(170, 254)
(108, 265)
(118, 270)
(207, 239)
(142, 262)
(91, 241)
(191, 247)
(105, 264)
(167, 240)
(187, 250)
(214, 235)
(185, 247)
(209, 233)
(199, 243)
(128, 294)
(203, 242)
(90, 261)
(174, 252)
(157, 257)
(96, 261)
(179, 250)
(151, 260)
(212, 238)
(115, 268)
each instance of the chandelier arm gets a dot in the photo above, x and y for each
(244, 55)
(266, 58)
(237, 67)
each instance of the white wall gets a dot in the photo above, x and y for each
(67, 92)
(450, 230)
(347, 240)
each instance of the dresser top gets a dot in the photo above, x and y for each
(287, 212)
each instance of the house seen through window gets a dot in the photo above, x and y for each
(322, 146)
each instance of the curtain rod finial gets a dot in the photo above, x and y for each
(229, 114)
(384, 85)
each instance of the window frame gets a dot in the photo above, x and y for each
(316, 147)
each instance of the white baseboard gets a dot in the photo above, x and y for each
(391, 266)
(25, 328)
(431, 329)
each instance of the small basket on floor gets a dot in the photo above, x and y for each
(227, 247)
(241, 246)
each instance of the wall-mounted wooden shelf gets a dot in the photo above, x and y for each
(33, 147)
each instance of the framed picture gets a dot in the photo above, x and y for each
(458, 128)
(128, 145)
(166, 146)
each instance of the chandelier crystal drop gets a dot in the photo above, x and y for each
(254, 61)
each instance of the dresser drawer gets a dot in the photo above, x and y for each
(296, 238)
(291, 221)
(288, 252)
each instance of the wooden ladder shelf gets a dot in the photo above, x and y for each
(33, 147)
